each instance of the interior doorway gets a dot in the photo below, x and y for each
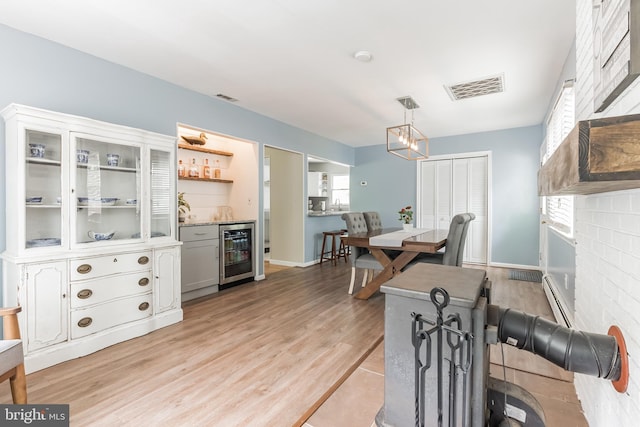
(283, 207)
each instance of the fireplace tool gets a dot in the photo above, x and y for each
(438, 376)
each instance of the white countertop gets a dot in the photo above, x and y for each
(230, 221)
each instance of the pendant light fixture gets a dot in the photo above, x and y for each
(405, 140)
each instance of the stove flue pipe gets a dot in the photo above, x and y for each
(602, 356)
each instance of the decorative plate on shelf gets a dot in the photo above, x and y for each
(34, 200)
(47, 241)
(153, 234)
(100, 236)
(105, 201)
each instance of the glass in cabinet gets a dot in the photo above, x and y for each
(162, 184)
(107, 189)
(43, 188)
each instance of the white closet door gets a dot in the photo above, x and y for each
(476, 248)
(443, 186)
(460, 193)
(452, 186)
(427, 207)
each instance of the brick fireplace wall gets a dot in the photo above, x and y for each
(607, 252)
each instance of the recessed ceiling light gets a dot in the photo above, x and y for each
(363, 56)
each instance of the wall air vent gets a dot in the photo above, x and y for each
(225, 97)
(476, 88)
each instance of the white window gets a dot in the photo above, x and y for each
(340, 190)
(558, 210)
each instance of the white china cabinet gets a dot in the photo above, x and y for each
(91, 248)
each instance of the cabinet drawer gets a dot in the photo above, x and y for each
(199, 232)
(88, 268)
(96, 291)
(87, 321)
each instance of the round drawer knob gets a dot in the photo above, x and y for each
(143, 306)
(85, 293)
(144, 281)
(84, 268)
(143, 260)
(84, 322)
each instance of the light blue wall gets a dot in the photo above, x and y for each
(515, 153)
(43, 74)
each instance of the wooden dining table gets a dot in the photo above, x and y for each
(430, 241)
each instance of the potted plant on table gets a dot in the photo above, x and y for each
(183, 207)
(406, 216)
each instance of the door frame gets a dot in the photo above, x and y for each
(300, 208)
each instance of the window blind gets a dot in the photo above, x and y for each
(559, 209)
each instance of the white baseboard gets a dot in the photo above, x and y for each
(286, 263)
(514, 266)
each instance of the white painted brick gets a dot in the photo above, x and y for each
(629, 223)
(631, 265)
(587, 202)
(622, 240)
(635, 244)
(605, 203)
(609, 293)
(635, 201)
(621, 203)
(605, 235)
(611, 255)
(607, 252)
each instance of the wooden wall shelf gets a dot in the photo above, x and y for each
(597, 156)
(204, 150)
(188, 178)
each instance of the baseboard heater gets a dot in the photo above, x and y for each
(560, 310)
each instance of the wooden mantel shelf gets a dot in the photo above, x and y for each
(204, 150)
(189, 178)
(598, 155)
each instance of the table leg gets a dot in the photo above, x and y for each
(391, 268)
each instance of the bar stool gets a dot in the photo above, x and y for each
(346, 250)
(331, 254)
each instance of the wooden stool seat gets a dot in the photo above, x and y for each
(12, 355)
(331, 254)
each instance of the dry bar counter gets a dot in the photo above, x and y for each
(216, 255)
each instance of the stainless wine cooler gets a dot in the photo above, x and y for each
(237, 252)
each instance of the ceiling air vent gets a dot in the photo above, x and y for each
(476, 88)
(225, 97)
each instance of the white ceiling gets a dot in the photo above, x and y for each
(292, 60)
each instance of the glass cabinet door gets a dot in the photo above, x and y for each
(107, 190)
(43, 189)
(162, 201)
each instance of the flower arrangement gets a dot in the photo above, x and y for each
(406, 215)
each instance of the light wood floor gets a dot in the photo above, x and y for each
(356, 402)
(259, 354)
(269, 354)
